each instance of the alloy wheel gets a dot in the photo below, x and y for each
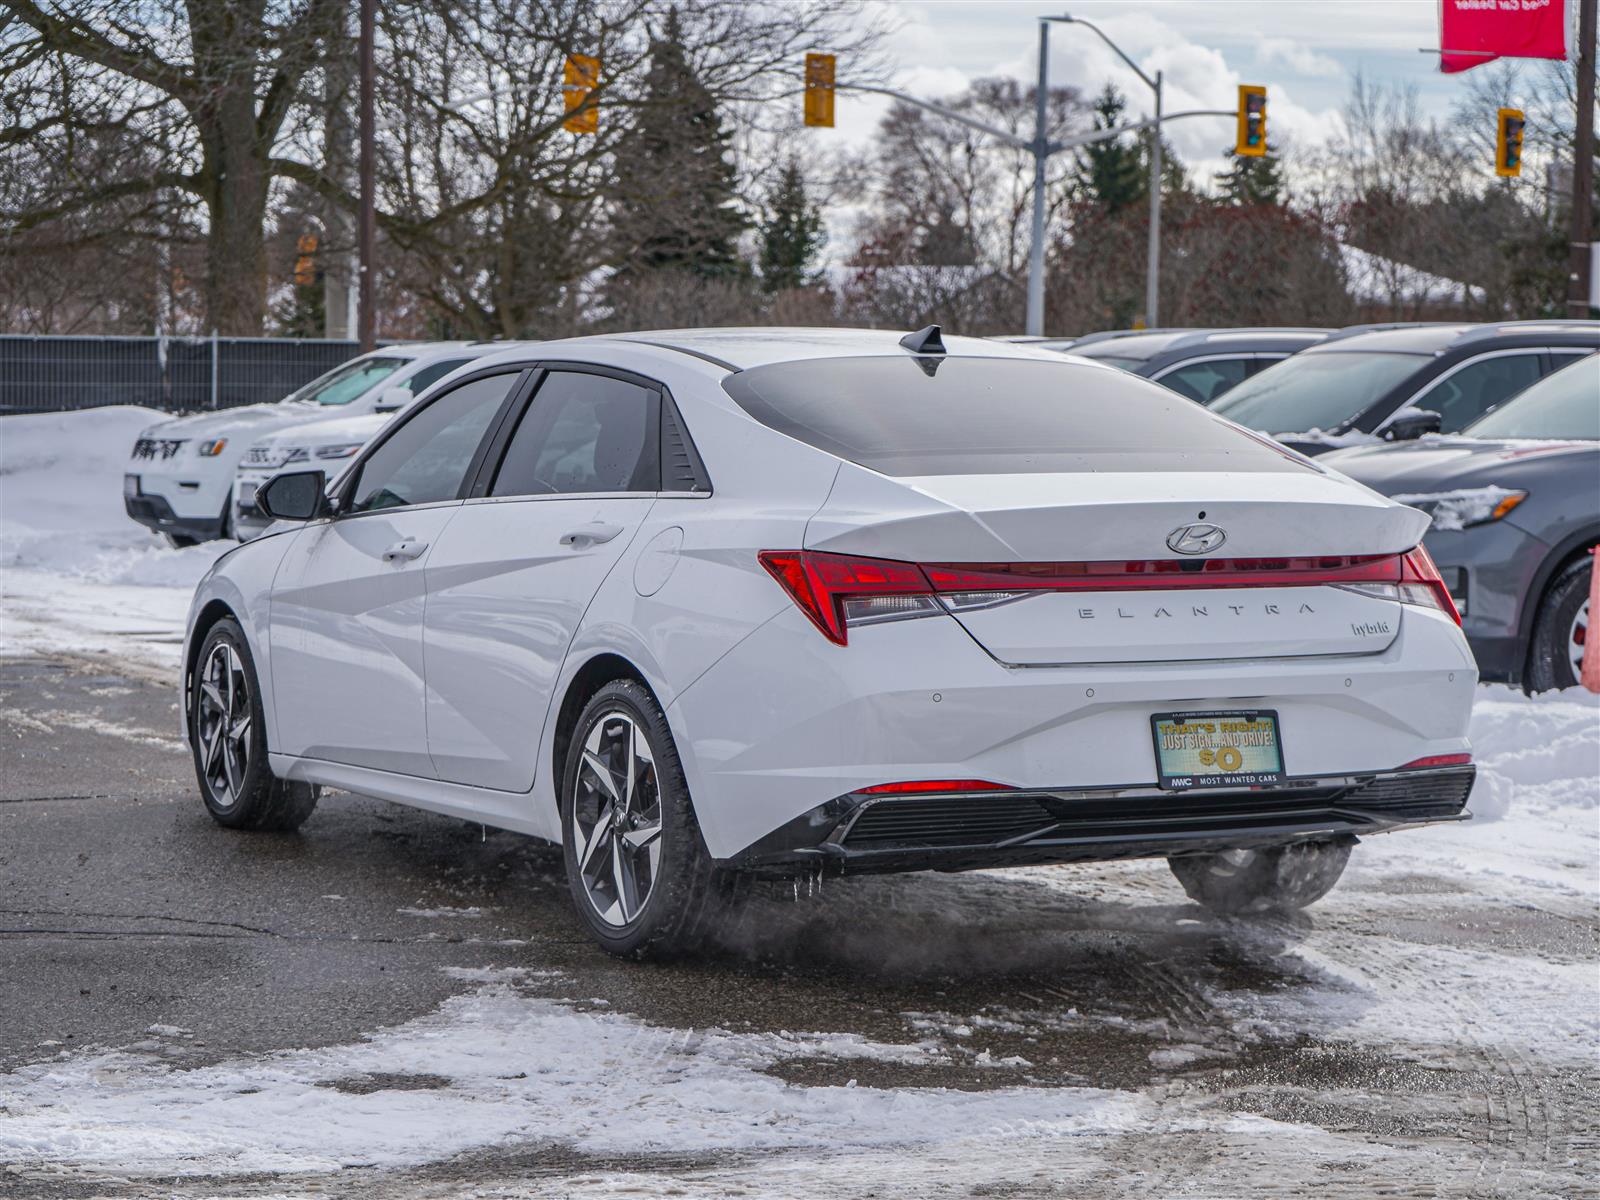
(223, 724)
(616, 819)
(1577, 637)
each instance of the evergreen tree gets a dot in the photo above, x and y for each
(1252, 180)
(792, 234)
(1112, 173)
(677, 193)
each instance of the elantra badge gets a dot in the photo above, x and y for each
(1196, 539)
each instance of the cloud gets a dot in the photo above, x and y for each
(1298, 57)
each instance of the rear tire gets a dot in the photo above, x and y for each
(640, 874)
(1560, 631)
(227, 734)
(1276, 879)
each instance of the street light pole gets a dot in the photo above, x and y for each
(1152, 279)
(1041, 156)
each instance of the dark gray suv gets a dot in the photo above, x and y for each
(1515, 500)
(1400, 383)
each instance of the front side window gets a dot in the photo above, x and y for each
(986, 416)
(344, 384)
(431, 374)
(1318, 390)
(1203, 382)
(427, 458)
(1560, 406)
(1463, 397)
(583, 434)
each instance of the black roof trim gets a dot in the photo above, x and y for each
(700, 354)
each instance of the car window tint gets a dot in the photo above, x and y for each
(584, 433)
(428, 456)
(1462, 398)
(1205, 381)
(431, 374)
(1562, 406)
(908, 416)
(344, 383)
(1317, 390)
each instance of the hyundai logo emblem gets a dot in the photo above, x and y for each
(1196, 539)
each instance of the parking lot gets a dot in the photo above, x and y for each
(395, 1004)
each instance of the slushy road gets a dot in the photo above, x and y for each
(390, 1003)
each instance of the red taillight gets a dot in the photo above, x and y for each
(821, 583)
(1420, 583)
(933, 785)
(1437, 760)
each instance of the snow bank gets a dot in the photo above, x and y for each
(78, 574)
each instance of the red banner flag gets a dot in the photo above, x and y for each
(1474, 32)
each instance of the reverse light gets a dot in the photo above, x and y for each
(1458, 510)
(339, 451)
(1419, 583)
(212, 448)
(1437, 760)
(915, 786)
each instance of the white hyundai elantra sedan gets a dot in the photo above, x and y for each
(704, 605)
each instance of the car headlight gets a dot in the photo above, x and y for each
(1474, 506)
(339, 451)
(212, 448)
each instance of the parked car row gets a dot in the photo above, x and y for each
(1514, 499)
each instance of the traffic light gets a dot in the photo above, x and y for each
(305, 265)
(819, 90)
(1508, 143)
(578, 81)
(1251, 138)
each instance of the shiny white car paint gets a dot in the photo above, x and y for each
(436, 681)
(201, 487)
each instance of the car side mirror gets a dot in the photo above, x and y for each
(392, 400)
(1411, 424)
(295, 496)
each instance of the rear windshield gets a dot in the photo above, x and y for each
(1560, 406)
(1316, 391)
(993, 416)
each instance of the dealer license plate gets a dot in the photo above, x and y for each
(130, 485)
(1217, 749)
(247, 494)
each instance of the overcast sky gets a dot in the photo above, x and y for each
(1305, 51)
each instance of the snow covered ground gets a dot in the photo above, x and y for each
(525, 1057)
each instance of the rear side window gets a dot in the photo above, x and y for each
(584, 433)
(987, 416)
(431, 374)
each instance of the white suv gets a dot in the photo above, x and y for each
(179, 479)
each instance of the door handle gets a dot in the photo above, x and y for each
(405, 549)
(590, 535)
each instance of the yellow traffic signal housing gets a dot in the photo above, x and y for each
(578, 81)
(305, 265)
(1508, 143)
(1251, 138)
(819, 90)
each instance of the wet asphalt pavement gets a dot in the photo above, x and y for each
(123, 907)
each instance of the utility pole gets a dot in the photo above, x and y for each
(1578, 281)
(339, 288)
(1152, 277)
(1041, 156)
(366, 221)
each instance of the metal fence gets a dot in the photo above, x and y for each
(43, 374)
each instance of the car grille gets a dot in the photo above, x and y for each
(158, 449)
(274, 456)
(991, 820)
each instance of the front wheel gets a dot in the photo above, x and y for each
(227, 735)
(638, 868)
(1275, 879)
(1560, 631)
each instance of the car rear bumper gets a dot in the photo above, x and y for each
(858, 834)
(786, 721)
